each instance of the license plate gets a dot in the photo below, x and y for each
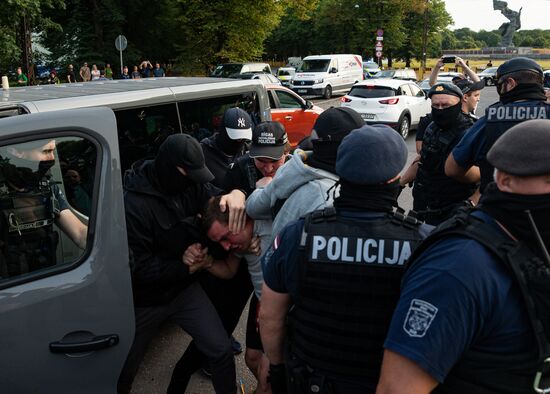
(367, 116)
(302, 90)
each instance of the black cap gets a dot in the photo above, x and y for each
(184, 151)
(268, 140)
(445, 88)
(518, 64)
(468, 86)
(380, 150)
(336, 122)
(523, 149)
(237, 124)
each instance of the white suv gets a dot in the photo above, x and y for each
(396, 103)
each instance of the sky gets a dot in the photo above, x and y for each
(479, 14)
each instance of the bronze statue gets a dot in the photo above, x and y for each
(507, 30)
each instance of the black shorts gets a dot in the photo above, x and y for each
(253, 340)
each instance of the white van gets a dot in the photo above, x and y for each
(226, 69)
(321, 75)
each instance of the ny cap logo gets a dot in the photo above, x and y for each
(240, 122)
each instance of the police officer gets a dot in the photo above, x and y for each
(436, 195)
(31, 203)
(340, 269)
(465, 321)
(519, 85)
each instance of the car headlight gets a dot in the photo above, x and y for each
(320, 80)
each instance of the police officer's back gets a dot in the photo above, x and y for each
(341, 268)
(519, 85)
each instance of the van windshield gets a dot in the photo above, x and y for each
(315, 66)
(225, 70)
(284, 72)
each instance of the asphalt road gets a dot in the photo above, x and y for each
(156, 369)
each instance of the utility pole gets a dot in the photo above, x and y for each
(424, 39)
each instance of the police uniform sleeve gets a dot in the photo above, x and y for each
(469, 151)
(280, 262)
(438, 314)
(60, 198)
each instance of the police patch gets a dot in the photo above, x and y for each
(420, 316)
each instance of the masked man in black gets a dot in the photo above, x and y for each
(162, 198)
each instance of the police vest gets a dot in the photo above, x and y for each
(248, 168)
(349, 277)
(500, 117)
(26, 218)
(431, 180)
(479, 372)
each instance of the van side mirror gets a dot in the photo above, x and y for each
(333, 70)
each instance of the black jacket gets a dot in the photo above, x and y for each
(160, 228)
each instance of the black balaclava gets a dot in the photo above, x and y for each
(445, 118)
(523, 91)
(168, 158)
(227, 145)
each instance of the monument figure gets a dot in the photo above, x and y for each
(508, 29)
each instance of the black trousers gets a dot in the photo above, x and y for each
(229, 298)
(192, 311)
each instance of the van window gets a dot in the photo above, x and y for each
(363, 91)
(284, 72)
(142, 130)
(46, 200)
(334, 64)
(225, 70)
(315, 65)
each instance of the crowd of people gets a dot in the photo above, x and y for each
(96, 73)
(348, 294)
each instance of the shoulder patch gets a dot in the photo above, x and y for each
(420, 316)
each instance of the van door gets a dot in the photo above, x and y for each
(66, 312)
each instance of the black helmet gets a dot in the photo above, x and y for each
(518, 64)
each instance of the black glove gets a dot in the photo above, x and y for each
(277, 378)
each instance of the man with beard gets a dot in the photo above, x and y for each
(31, 202)
(162, 198)
(436, 195)
(519, 85)
(468, 319)
(331, 279)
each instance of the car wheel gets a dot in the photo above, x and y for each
(489, 81)
(404, 126)
(328, 92)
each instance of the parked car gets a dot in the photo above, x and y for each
(285, 74)
(370, 69)
(488, 75)
(226, 69)
(295, 113)
(443, 77)
(264, 77)
(405, 74)
(396, 103)
(321, 75)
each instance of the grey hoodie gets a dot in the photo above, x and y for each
(303, 187)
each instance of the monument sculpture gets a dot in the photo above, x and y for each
(508, 29)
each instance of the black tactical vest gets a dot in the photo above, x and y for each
(28, 242)
(483, 373)
(350, 274)
(431, 180)
(500, 117)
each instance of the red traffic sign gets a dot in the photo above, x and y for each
(379, 45)
(378, 54)
(380, 32)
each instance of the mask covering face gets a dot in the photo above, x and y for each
(227, 145)
(446, 117)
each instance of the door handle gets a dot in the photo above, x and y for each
(96, 343)
(288, 117)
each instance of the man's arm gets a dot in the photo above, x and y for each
(435, 71)
(400, 375)
(273, 310)
(73, 227)
(466, 175)
(410, 174)
(467, 70)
